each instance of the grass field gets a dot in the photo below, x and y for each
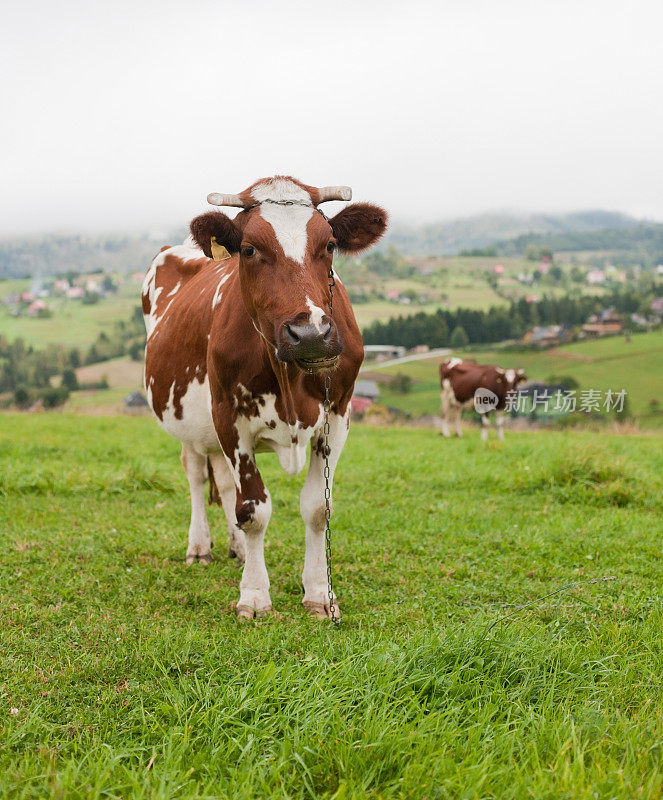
(125, 673)
(73, 323)
(636, 366)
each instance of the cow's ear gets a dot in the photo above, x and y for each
(215, 224)
(358, 227)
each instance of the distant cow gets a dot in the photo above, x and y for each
(460, 381)
(236, 358)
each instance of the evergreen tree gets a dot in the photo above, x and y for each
(459, 338)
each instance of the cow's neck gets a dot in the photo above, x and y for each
(296, 406)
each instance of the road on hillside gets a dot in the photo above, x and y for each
(394, 362)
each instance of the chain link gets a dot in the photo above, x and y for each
(327, 473)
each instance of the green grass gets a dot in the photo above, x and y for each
(610, 363)
(132, 678)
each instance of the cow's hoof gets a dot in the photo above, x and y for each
(205, 558)
(322, 610)
(232, 553)
(246, 612)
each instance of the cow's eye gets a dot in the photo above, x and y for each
(248, 251)
(331, 246)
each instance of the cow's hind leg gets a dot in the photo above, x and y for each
(200, 541)
(225, 484)
(312, 506)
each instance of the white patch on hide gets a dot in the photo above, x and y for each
(217, 294)
(196, 427)
(187, 251)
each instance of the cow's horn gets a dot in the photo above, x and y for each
(217, 199)
(334, 193)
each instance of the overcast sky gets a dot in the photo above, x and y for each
(125, 114)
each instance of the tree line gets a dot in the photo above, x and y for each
(463, 326)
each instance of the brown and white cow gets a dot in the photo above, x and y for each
(460, 381)
(236, 357)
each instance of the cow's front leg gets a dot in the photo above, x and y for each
(499, 422)
(200, 541)
(253, 512)
(253, 509)
(485, 422)
(312, 505)
(458, 414)
(445, 410)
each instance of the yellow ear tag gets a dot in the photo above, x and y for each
(219, 252)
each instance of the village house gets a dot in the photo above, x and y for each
(606, 323)
(380, 352)
(595, 277)
(548, 335)
(656, 306)
(365, 394)
(36, 308)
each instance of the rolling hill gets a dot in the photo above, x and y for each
(481, 230)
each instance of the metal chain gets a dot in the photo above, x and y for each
(327, 407)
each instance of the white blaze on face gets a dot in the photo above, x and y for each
(289, 222)
(511, 375)
(316, 314)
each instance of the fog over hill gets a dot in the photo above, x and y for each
(55, 253)
(480, 230)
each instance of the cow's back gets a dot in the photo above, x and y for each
(465, 377)
(180, 291)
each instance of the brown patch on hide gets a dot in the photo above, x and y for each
(320, 449)
(214, 494)
(247, 404)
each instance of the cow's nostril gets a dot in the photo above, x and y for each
(327, 332)
(294, 338)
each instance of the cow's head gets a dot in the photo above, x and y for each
(511, 378)
(286, 247)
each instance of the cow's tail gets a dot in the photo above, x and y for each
(214, 496)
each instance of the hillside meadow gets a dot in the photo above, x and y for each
(125, 674)
(434, 282)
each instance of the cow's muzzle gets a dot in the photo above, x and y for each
(312, 347)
